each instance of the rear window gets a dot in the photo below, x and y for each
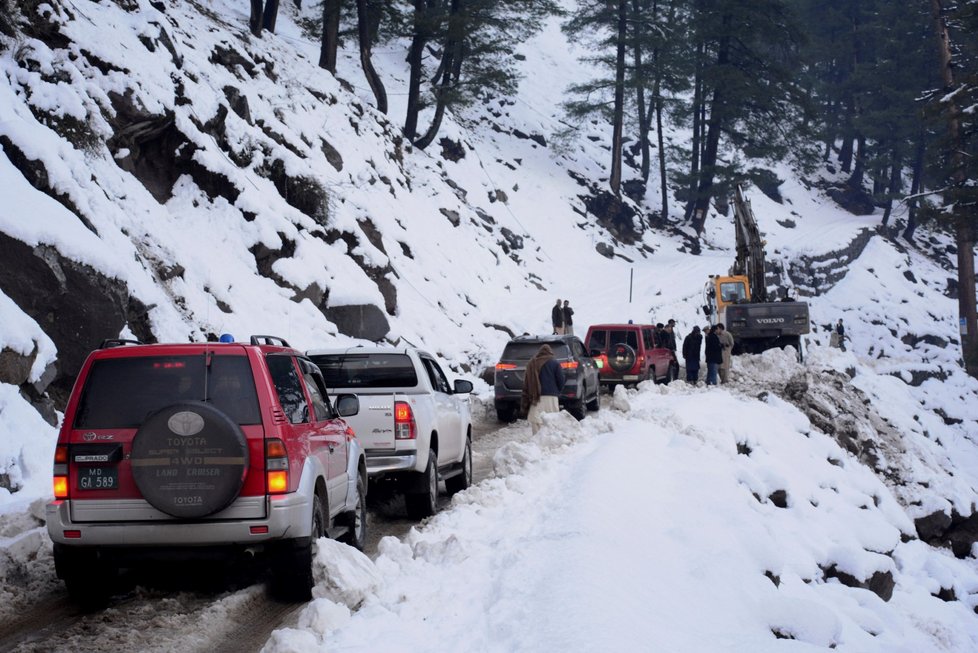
(524, 351)
(628, 337)
(367, 370)
(123, 392)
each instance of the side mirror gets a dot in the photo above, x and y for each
(347, 405)
(463, 387)
(595, 353)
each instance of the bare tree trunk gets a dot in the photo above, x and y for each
(663, 181)
(331, 35)
(419, 39)
(845, 152)
(254, 23)
(450, 67)
(964, 229)
(894, 185)
(373, 79)
(644, 116)
(271, 15)
(694, 166)
(704, 189)
(619, 109)
(918, 171)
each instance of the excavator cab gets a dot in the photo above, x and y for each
(721, 292)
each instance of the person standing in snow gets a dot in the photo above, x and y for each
(727, 342)
(691, 354)
(542, 384)
(669, 336)
(568, 319)
(714, 355)
(840, 332)
(557, 318)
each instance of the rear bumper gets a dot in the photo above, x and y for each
(384, 462)
(286, 517)
(507, 396)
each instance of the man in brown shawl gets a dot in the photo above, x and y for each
(542, 383)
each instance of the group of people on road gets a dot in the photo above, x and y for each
(562, 316)
(718, 350)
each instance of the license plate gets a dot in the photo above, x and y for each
(630, 377)
(98, 478)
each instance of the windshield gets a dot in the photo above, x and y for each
(524, 351)
(123, 392)
(732, 291)
(367, 370)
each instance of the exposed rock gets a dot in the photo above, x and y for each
(855, 201)
(15, 368)
(359, 321)
(238, 103)
(332, 155)
(451, 150)
(779, 498)
(513, 241)
(605, 250)
(613, 214)
(452, 216)
(881, 583)
(305, 194)
(75, 305)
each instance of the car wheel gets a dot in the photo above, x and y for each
(457, 483)
(356, 536)
(506, 412)
(673, 372)
(595, 404)
(576, 407)
(89, 581)
(291, 564)
(424, 504)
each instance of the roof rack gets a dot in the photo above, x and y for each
(108, 343)
(269, 340)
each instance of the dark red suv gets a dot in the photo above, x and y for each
(631, 353)
(183, 451)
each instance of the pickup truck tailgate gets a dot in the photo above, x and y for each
(374, 424)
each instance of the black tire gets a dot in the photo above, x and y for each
(356, 520)
(673, 373)
(621, 358)
(506, 412)
(462, 481)
(576, 407)
(425, 504)
(183, 483)
(595, 404)
(291, 564)
(90, 581)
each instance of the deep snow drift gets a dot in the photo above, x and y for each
(680, 519)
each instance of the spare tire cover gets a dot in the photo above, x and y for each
(621, 358)
(189, 460)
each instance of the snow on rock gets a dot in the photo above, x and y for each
(342, 573)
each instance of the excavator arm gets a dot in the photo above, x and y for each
(750, 248)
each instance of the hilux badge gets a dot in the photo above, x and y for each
(186, 423)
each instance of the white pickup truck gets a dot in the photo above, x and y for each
(415, 428)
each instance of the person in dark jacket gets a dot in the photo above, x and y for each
(691, 354)
(669, 336)
(840, 332)
(714, 356)
(542, 383)
(557, 318)
(568, 319)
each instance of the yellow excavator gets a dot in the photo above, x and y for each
(740, 299)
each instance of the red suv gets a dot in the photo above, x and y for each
(631, 353)
(185, 451)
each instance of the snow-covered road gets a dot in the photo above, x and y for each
(678, 519)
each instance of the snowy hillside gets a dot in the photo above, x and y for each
(167, 176)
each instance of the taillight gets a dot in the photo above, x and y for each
(405, 427)
(276, 466)
(61, 472)
(569, 365)
(505, 366)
